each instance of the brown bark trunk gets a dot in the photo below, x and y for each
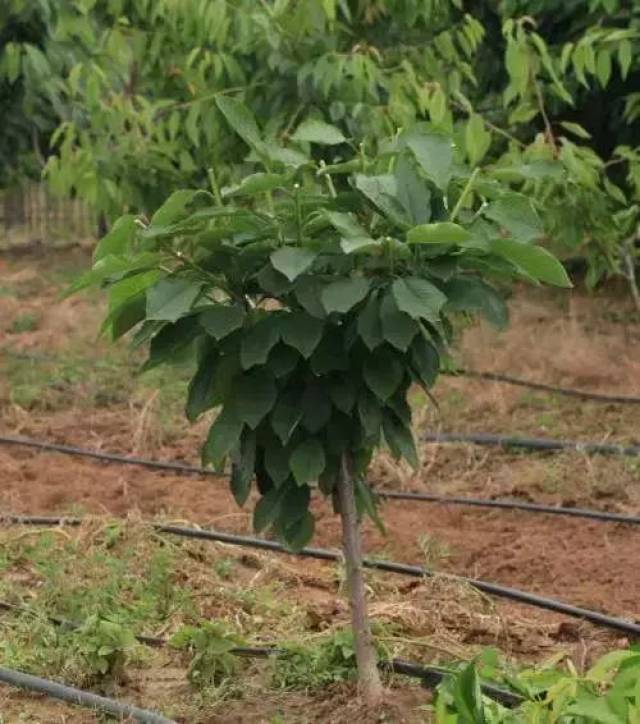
(366, 658)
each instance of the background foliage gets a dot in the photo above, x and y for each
(544, 92)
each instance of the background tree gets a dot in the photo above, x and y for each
(546, 92)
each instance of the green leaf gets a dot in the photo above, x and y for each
(258, 341)
(369, 324)
(273, 281)
(603, 67)
(366, 500)
(307, 461)
(383, 373)
(299, 534)
(400, 440)
(200, 396)
(254, 396)
(276, 462)
(418, 298)
(176, 207)
(286, 415)
(259, 183)
(576, 129)
(343, 295)
(314, 131)
(594, 710)
(398, 328)
(370, 414)
(172, 342)
(425, 360)
(434, 153)
(469, 294)
(292, 261)
(346, 224)
(308, 290)
(301, 331)
(343, 393)
(282, 360)
(625, 57)
(267, 509)
(353, 244)
(467, 696)
(221, 320)
(285, 156)
(477, 139)
(242, 471)
(412, 191)
(444, 232)
(224, 436)
(171, 298)
(316, 406)
(240, 118)
(119, 239)
(515, 213)
(382, 191)
(534, 261)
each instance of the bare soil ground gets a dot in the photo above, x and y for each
(564, 338)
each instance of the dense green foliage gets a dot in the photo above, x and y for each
(546, 91)
(607, 693)
(314, 297)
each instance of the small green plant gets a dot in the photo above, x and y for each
(224, 567)
(317, 665)
(23, 323)
(608, 693)
(311, 297)
(104, 646)
(210, 645)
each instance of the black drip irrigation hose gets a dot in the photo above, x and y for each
(533, 443)
(181, 468)
(431, 676)
(566, 391)
(79, 697)
(511, 505)
(494, 589)
(106, 457)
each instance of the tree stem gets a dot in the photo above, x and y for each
(367, 660)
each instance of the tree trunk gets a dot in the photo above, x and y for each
(366, 658)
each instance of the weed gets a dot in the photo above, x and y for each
(210, 645)
(314, 666)
(23, 323)
(104, 646)
(224, 567)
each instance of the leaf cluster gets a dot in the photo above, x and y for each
(608, 692)
(311, 297)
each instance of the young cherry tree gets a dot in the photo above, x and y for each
(313, 297)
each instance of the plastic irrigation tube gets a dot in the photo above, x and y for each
(566, 391)
(533, 443)
(511, 505)
(194, 470)
(494, 589)
(79, 697)
(107, 457)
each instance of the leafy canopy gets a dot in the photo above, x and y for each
(311, 300)
(545, 92)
